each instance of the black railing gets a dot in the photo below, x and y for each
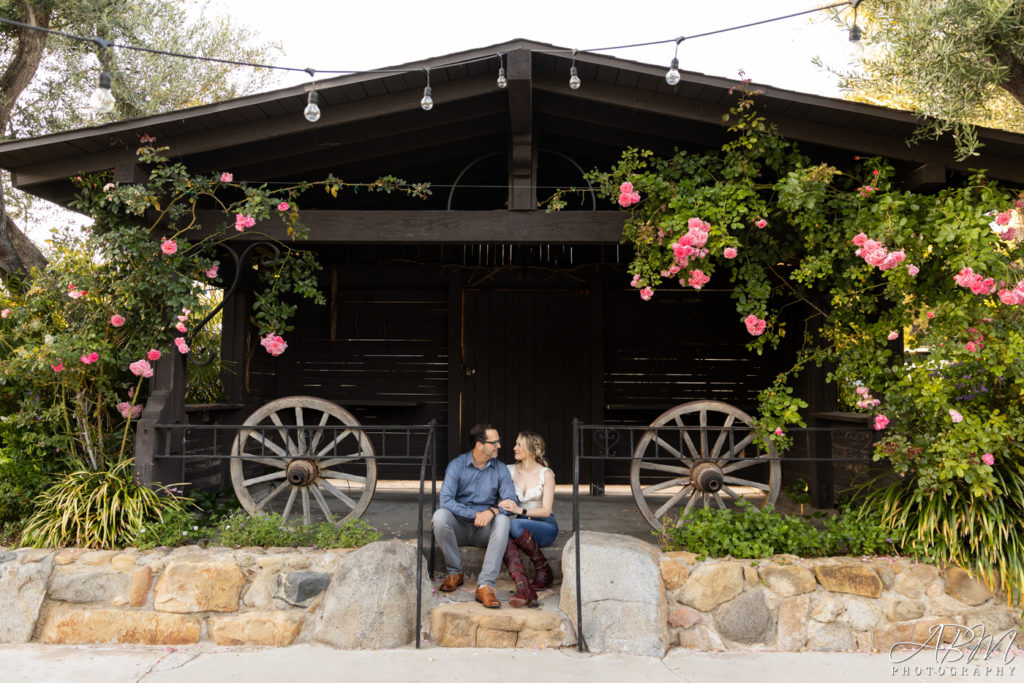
(292, 449)
(703, 459)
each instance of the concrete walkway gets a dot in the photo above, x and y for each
(199, 664)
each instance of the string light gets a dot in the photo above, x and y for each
(574, 77)
(502, 81)
(672, 77)
(858, 47)
(102, 99)
(312, 110)
(427, 102)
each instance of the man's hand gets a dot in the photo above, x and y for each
(510, 506)
(484, 517)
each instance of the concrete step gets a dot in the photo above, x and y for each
(457, 620)
(473, 558)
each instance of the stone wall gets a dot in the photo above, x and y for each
(248, 596)
(787, 603)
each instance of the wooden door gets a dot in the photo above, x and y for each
(526, 366)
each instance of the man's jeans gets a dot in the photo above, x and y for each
(451, 532)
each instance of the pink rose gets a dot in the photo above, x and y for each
(168, 247)
(274, 344)
(862, 391)
(646, 293)
(930, 315)
(761, 223)
(141, 368)
(1003, 218)
(893, 335)
(75, 293)
(181, 344)
(778, 431)
(730, 252)
(988, 459)
(698, 279)
(147, 138)
(243, 221)
(955, 416)
(125, 409)
(970, 346)
(212, 272)
(635, 282)
(627, 199)
(117, 320)
(881, 422)
(626, 188)
(153, 354)
(180, 327)
(283, 206)
(89, 358)
(226, 177)
(755, 326)
(912, 269)
(4, 313)
(109, 187)
(59, 367)
(695, 224)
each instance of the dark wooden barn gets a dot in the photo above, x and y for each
(476, 304)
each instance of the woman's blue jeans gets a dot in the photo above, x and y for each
(544, 530)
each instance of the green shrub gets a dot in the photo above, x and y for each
(95, 509)
(752, 533)
(179, 526)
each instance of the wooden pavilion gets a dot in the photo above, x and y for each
(476, 304)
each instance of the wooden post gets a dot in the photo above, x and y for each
(166, 405)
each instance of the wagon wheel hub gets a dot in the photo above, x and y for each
(302, 472)
(706, 476)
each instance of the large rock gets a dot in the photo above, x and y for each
(788, 580)
(371, 599)
(966, 588)
(199, 583)
(87, 584)
(674, 573)
(299, 588)
(792, 628)
(833, 637)
(745, 619)
(70, 626)
(623, 600)
(915, 581)
(911, 634)
(278, 628)
(849, 578)
(710, 585)
(22, 589)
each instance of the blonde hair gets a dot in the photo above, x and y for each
(533, 444)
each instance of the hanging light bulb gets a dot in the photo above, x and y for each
(102, 100)
(855, 45)
(502, 81)
(312, 110)
(574, 79)
(672, 77)
(427, 102)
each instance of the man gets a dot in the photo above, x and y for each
(474, 484)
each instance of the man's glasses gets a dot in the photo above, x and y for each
(495, 441)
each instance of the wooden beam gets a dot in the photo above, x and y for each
(927, 177)
(433, 227)
(522, 193)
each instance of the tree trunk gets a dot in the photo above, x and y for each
(17, 252)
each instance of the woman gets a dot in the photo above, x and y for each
(535, 525)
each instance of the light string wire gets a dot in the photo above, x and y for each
(103, 43)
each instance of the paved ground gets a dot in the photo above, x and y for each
(198, 664)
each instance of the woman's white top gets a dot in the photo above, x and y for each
(531, 497)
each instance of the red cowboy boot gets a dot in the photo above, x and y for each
(524, 595)
(542, 576)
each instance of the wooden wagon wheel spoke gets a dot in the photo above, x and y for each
(334, 442)
(270, 496)
(331, 462)
(321, 502)
(294, 443)
(701, 477)
(343, 475)
(747, 482)
(261, 439)
(334, 491)
(673, 469)
(266, 477)
(722, 435)
(669, 483)
(738, 447)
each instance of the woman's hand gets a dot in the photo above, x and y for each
(510, 505)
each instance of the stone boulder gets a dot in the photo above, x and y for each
(194, 582)
(787, 580)
(854, 579)
(966, 588)
(746, 619)
(710, 585)
(371, 599)
(87, 584)
(624, 607)
(22, 589)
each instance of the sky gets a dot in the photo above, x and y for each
(355, 36)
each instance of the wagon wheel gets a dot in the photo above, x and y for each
(309, 456)
(702, 472)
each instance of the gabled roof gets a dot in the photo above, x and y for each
(371, 124)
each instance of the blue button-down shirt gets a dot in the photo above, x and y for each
(467, 489)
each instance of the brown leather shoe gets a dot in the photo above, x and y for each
(485, 596)
(451, 582)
